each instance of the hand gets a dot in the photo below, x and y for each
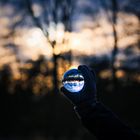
(88, 93)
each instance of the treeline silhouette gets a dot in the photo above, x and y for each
(30, 109)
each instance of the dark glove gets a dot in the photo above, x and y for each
(88, 94)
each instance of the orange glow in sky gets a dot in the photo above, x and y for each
(88, 40)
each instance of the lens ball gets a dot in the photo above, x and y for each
(73, 80)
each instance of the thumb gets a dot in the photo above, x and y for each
(64, 90)
(66, 94)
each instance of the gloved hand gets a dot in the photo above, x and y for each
(88, 93)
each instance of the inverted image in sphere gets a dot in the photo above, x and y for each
(73, 80)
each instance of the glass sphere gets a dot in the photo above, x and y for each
(73, 80)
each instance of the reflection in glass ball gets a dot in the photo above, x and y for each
(73, 80)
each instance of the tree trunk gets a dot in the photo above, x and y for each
(55, 74)
(55, 68)
(115, 48)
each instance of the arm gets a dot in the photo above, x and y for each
(104, 124)
(99, 120)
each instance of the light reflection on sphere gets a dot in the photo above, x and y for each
(73, 80)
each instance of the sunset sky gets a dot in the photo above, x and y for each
(91, 35)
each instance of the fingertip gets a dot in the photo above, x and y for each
(84, 69)
(81, 67)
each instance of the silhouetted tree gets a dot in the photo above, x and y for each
(52, 12)
(115, 48)
(113, 6)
